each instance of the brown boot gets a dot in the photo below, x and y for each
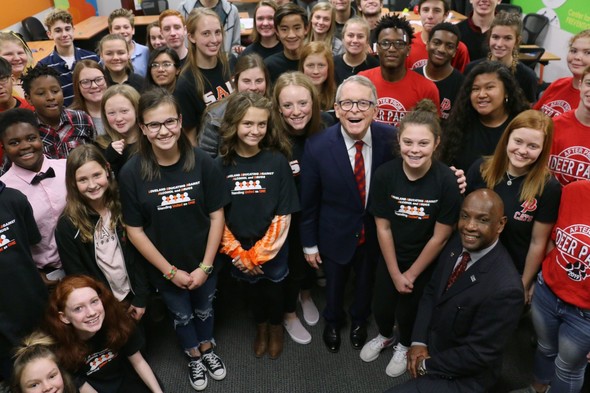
(275, 342)
(261, 342)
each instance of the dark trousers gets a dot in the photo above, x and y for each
(390, 306)
(363, 264)
(435, 384)
(266, 300)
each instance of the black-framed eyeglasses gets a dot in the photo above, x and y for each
(156, 126)
(164, 65)
(362, 105)
(87, 83)
(397, 44)
(4, 79)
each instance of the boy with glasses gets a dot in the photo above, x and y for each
(65, 55)
(398, 88)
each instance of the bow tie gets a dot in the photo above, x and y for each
(43, 175)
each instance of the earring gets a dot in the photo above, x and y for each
(506, 100)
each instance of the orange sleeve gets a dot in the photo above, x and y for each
(269, 246)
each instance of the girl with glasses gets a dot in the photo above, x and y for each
(163, 68)
(90, 83)
(173, 196)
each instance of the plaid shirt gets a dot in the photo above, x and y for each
(75, 128)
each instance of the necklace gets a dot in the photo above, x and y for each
(510, 178)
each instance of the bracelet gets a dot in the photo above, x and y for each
(171, 273)
(208, 269)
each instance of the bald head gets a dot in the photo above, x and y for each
(481, 219)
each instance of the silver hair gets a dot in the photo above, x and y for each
(361, 80)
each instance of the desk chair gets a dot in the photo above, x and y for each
(154, 7)
(531, 56)
(34, 29)
(533, 26)
(509, 8)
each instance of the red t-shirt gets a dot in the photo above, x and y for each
(558, 98)
(566, 269)
(419, 55)
(395, 99)
(570, 151)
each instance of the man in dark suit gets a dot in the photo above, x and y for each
(470, 307)
(336, 230)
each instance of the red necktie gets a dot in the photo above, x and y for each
(359, 175)
(459, 269)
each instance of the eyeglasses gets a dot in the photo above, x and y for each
(156, 126)
(164, 65)
(87, 83)
(4, 79)
(362, 105)
(397, 44)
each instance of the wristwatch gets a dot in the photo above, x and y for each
(422, 368)
(208, 269)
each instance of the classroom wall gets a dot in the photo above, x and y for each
(13, 11)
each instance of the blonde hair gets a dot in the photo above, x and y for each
(58, 15)
(116, 90)
(330, 34)
(121, 13)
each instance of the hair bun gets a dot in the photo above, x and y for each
(426, 105)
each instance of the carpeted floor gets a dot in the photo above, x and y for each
(301, 368)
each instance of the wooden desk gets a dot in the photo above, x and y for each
(40, 49)
(145, 20)
(91, 27)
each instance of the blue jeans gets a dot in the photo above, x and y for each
(563, 340)
(191, 311)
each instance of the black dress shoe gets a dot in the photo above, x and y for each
(358, 336)
(331, 338)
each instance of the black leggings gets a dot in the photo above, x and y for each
(266, 300)
(390, 306)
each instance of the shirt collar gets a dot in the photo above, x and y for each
(349, 142)
(477, 255)
(27, 175)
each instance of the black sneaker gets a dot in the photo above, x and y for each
(214, 365)
(197, 374)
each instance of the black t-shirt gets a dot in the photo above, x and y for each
(264, 52)
(475, 41)
(414, 207)
(448, 89)
(261, 187)
(23, 295)
(343, 70)
(217, 86)
(174, 210)
(478, 140)
(517, 233)
(278, 63)
(104, 369)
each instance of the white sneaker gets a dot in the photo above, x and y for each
(297, 331)
(311, 315)
(399, 361)
(372, 349)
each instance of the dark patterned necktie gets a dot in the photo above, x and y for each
(359, 175)
(459, 269)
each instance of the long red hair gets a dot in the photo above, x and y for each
(70, 349)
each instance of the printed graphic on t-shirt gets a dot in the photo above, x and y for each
(295, 167)
(445, 108)
(573, 244)
(419, 64)
(390, 111)
(556, 108)
(217, 94)
(5, 240)
(527, 207)
(175, 196)
(416, 209)
(98, 360)
(249, 183)
(571, 164)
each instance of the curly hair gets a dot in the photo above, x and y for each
(237, 107)
(493, 169)
(463, 115)
(33, 73)
(34, 347)
(71, 350)
(77, 209)
(296, 79)
(58, 15)
(393, 21)
(327, 90)
(121, 13)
